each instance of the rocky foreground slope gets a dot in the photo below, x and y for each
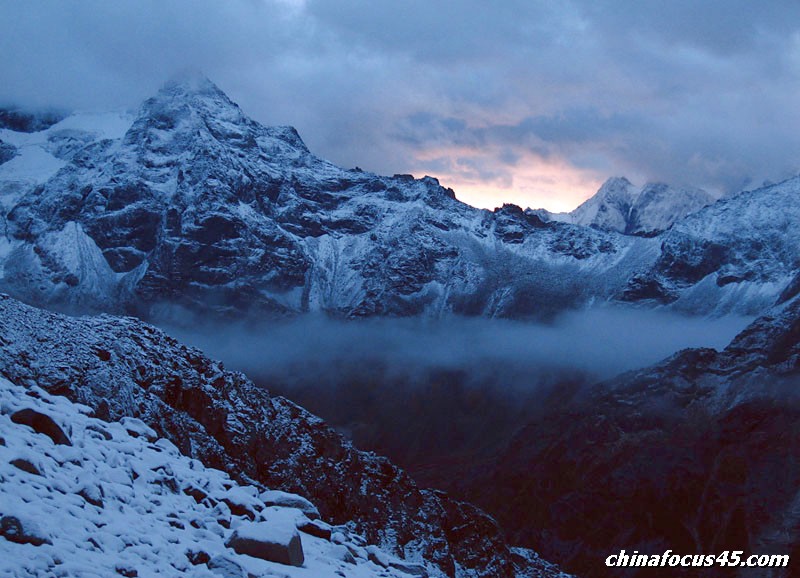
(122, 368)
(191, 204)
(698, 454)
(90, 498)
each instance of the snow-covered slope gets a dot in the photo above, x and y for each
(108, 498)
(741, 249)
(619, 206)
(198, 207)
(39, 154)
(123, 368)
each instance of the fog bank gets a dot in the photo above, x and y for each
(599, 342)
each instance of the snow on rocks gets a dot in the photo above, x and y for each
(287, 500)
(274, 542)
(112, 213)
(118, 502)
(137, 428)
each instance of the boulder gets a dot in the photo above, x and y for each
(21, 531)
(378, 556)
(287, 500)
(42, 424)
(226, 567)
(273, 542)
(26, 466)
(137, 428)
(341, 553)
(241, 503)
(384, 560)
(315, 528)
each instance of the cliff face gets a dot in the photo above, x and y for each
(121, 367)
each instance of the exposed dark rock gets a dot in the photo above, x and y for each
(410, 569)
(7, 152)
(238, 509)
(26, 466)
(648, 287)
(42, 424)
(315, 528)
(93, 495)
(697, 454)
(198, 494)
(197, 558)
(13, 530)
(24, 121)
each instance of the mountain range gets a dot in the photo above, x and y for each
(190, 205)
(187, 209)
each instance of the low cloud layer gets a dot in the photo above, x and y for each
(533, 102)
(598, 343)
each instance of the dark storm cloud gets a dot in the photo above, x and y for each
(686, 92)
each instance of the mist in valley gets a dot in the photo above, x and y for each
(440, 396)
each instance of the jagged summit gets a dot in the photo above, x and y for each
(610, 208)
(620, 206)
(191, 106)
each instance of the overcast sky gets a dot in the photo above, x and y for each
(532, 102)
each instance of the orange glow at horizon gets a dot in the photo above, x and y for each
(532, 182)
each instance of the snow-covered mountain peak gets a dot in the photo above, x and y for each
(193, 202)
(610, 207)
(192, 111)
(614, 185)
(659, 205)
(622, 207)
